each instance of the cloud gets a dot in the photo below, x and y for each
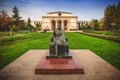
(35, 9)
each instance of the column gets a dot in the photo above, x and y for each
(50, 25)
(68, 25)
(56, 23)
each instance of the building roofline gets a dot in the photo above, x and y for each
(59, 12)
(59, 17)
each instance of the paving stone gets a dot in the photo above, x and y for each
(95, 68)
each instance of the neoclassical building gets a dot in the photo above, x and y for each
(65, 19)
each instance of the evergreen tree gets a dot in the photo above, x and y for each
(95, 24)
(118, 18)
(29, 24)
(112, 18)
(17, 23)
(16, 16)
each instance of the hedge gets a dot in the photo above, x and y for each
(107, 37)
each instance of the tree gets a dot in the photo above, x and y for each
(17, 23)
(16, 19)
(101, 24)
(38, 25)
(16, 16)
(107, 18)
(118, 18)
(88, 28)
(95, 24)
(82, 26)
(22, 25)
(112, 17)
(4, 20)
(29, 24)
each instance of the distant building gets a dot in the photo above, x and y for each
(65, 19)
(84, 23)
(33, 23)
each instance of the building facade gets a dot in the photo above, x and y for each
(67, 21)
(33, 23)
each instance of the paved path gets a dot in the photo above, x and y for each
(95, 68)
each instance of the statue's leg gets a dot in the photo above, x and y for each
(52, 49)
(56, 49)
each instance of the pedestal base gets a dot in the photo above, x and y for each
(59, 66)
(59, 56)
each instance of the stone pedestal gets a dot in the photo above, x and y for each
(55, 65)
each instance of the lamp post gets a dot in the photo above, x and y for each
(10, 30)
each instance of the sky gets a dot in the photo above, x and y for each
(35, 9)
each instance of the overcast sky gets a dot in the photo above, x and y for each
(84, 9)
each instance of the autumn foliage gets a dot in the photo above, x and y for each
(4, 20)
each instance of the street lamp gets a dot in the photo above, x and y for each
(10, 29)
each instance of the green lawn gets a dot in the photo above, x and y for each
(13, 47)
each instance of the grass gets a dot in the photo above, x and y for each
(108, 50)
(4, 34)
(13, 47)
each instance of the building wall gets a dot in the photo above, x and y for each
(63, 14)
(33, 23)
(84, 23)
(71, 22)
(45, 23)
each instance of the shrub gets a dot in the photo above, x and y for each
(108, 37)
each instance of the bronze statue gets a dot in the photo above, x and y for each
(58, 43)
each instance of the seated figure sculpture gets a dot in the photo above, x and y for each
(58, 43)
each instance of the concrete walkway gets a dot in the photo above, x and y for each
(95, 68)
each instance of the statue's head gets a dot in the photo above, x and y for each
(59, 27)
